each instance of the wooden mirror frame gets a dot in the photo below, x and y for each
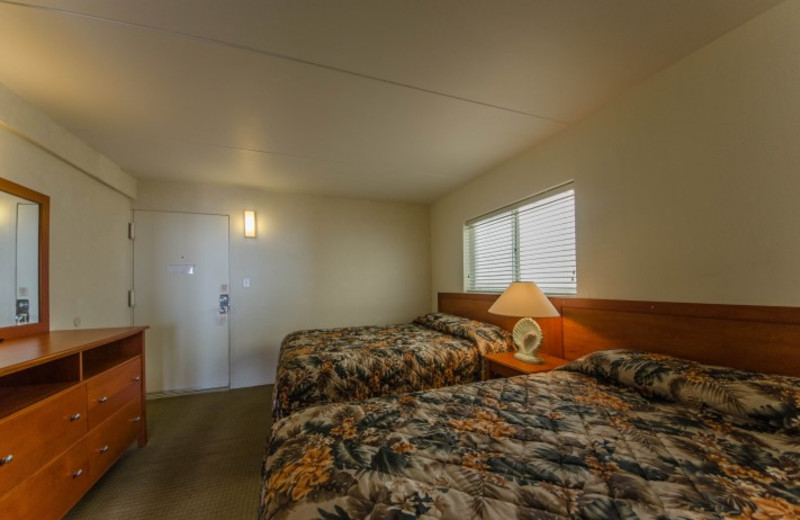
(43, 325)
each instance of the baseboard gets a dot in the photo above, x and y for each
(188, 391)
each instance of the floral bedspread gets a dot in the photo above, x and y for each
(352, 364)
(619, 435)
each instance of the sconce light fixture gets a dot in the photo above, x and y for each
(249, 223)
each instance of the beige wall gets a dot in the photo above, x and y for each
(90, 256)
(317, 262)
(686, 188)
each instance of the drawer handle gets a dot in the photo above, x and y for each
(137, 378)
(8, 459)
(104, 449)
(77, 473)
(75, 417)
(138, 418)
(102, 399)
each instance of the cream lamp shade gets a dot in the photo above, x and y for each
(526, 300)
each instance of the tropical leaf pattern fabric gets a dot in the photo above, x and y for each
(356, 363)
(549, 446)
(488, 338)
(765, 397)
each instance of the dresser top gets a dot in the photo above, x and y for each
(21, 353)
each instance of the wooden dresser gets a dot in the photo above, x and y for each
(71, 402)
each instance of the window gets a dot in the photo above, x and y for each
(532, 241)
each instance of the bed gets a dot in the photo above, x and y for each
(352, 364)
(613, 434)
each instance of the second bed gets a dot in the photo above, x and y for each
(352, 364)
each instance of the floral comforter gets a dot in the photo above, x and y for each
(616, 434)
(356, 363)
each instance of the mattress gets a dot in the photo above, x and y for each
(352, 364)
(616, 434)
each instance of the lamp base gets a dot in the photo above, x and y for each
(532, 358)
(528, 339)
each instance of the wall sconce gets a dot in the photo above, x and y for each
(249, 223)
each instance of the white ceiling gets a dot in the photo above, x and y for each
(384, 99)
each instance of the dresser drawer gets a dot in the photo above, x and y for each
(52, 491)
(109, 440)
(111, 390)
(40, 433)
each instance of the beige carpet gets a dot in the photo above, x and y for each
(203, 460)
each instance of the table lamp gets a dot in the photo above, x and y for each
(525, 300)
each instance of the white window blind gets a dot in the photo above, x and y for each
(533, 240)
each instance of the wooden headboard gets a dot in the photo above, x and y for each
(764, 339)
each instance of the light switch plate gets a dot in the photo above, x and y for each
(245, 282)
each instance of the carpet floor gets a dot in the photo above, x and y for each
(202, 461)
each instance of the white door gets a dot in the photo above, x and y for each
(180, 276)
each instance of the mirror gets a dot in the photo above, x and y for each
(24, 245)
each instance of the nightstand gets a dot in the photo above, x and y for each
(506, 365)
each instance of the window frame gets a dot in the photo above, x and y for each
(511, 212)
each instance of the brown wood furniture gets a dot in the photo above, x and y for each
(43, 325)
(504, 364)
(758, 338)
(71, 402)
